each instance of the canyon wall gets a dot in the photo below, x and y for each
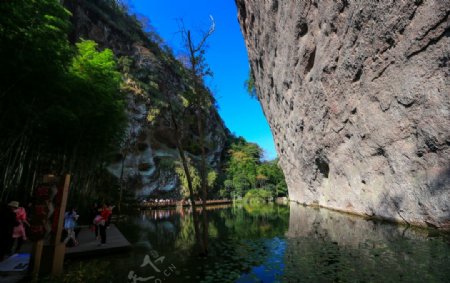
(357, 94)
(148, 157)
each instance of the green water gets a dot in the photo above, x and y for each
(271, 243)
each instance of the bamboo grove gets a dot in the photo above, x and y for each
(61, 109)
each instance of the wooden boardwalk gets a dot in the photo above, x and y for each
(14, 268)
(88, 245)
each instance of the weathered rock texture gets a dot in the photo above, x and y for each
(357, 97)
(148, 156)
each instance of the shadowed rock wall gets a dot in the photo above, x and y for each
(357, 97)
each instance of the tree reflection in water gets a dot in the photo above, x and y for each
(272, 243)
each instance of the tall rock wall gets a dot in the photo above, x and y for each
(148, 158)
(357, 94)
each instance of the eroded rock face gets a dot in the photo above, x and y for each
(357, 97)
(148, 155)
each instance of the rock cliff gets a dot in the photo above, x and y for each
(357, 94)
(148, 156)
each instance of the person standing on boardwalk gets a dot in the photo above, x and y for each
(7, 223)
(104, 213)
(70, 223)
(95, 213)
(19, 230)
(108, 221)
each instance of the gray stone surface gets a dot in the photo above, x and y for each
(149, 150)
(357, 97)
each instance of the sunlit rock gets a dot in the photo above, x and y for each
(357, 95)
(148, 156)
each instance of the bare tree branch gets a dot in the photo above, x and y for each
(205, 36)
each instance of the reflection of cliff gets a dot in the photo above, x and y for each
(344, 229)
(326, 246)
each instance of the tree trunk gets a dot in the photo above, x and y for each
(204, 181)
(119, 206)
(189, 181)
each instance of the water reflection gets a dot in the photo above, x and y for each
(273, 266)
(273, 243)
(325, 246)
(160, 214)
(240, 238)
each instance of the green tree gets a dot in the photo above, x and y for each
(200, 98)
(194, 179)
(60, 107)
(244, 170)
(34, 53)
(258, 195)
(243, 163)
(97, 99)
(201, 101)
(275, 180)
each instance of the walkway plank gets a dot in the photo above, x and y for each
(13, 269)
(115, 242)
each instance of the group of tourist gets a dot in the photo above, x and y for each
(14, 223)
(101, 218)
(13, 219)
(160, 201)
(163, 202)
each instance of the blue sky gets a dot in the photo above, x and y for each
(226, 56)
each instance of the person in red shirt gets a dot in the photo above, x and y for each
(19, 231)
(104, 213)
(108, 221)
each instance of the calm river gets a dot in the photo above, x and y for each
(273, 243)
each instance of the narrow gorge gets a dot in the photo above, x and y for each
(357, 97)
